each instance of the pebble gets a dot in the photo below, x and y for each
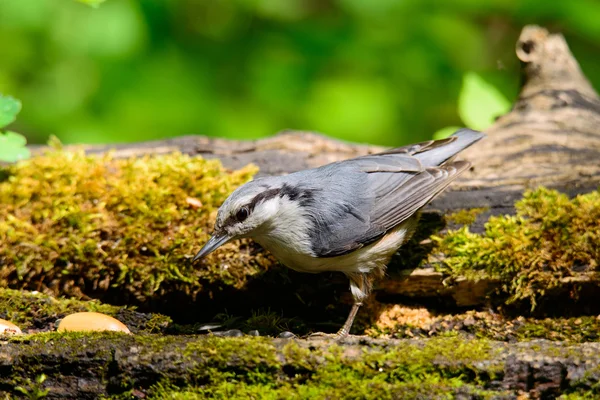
(90, 321)
(286, 335)
(8, 328)
(254, 333)
(233, 333)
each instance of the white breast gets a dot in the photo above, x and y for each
(293, 250)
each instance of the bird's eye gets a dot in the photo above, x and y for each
(242, 214)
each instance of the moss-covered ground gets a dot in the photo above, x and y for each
(399, 321)
(35, 312)
(551, 237)
(121, 366)
(124, 230)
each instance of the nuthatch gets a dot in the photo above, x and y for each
(349, 216)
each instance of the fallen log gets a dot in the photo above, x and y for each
(78, 366)
(551, 137)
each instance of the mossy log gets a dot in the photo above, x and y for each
(76, 366)
(551, 137)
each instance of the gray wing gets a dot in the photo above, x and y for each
(396, 184)
(398, 198)
(395, 197)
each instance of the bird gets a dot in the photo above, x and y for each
(349, 216)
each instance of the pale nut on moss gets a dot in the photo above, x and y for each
(90, 321)
(8, 328)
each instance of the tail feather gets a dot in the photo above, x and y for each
(439, 155)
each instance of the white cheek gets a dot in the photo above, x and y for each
(267, 210)
(286, 229)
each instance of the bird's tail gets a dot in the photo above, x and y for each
(444, 150)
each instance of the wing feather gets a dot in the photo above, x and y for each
(402, 202)
(392, 206)
(393, 186)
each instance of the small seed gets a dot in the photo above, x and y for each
(90, 321)
(8, 328)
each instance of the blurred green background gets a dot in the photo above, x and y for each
(380, 71)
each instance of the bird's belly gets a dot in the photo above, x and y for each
(365, 259)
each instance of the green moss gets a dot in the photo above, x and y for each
(78, 225)
(436, 369)
(34, 312)
(65, 340)
(31, 310)
(411, 370)
(465, 217)
(253, 358)
(493, 326)
(345, 388)
(581, 329)
(262, 368)
(194, 367)
(579, 396)
(530, 252)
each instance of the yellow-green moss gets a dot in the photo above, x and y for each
(26, 309)
(35, 312)
(530, 252)
(73, 224)
(194, 367)
(465, 217)
(410, 369)
(435, 369)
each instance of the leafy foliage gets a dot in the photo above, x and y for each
(479, 102)
(380, 71)
(9, 108)
(12, 145)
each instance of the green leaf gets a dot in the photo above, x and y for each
(12, 147)
(92, 3)
(479, 103)
(9, 108)
(445, 132)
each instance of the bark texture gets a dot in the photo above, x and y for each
(87, 368)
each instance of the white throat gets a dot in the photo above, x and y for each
(285, 230)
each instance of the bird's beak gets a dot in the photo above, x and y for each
(216, 241)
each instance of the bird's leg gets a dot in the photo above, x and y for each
(360, 286)
(345, 329)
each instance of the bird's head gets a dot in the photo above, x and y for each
(245, 213)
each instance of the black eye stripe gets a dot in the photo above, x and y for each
(263, 196)
(305, 197)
